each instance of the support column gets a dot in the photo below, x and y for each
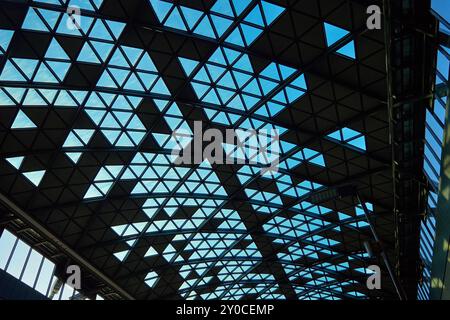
(408, 55)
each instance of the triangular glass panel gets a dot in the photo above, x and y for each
(223, 7)
(244, 64)
(124, 141)
(336, 135)
(5, 100)
(250, 33)
(175, 21)
(33, 21)
(225, 95)
(148, 79)
(118, 59)
(22, 122)
(221, 24)
(271, 72)
(161, 8)
(160, 87)
(45, 75)
(218, 57)
(59, 68)
(211, 97)
(286, 72)
(188, 65)
(121, 255)
(348, 50)
(333, 33)
(85, 135)
(33, 98)
(240, 5)
(235, 38)
(116, 28)
(5, 39)
(87, 54)
(255, 17)
(35, 177)
(50, 16)
(204, 28)
(191, 16)
(151, 252)
(133, 54)
(227, 81)
(133, 83)
(241, 78)
(11, 73)
(99, 31)
(16, 162)
(215, 71)
(271, 11)
(300, 82)
(359, 143)
(65, 100)
(200, 89)
(28, 66)
(74, 156)
(83, 4)
(146, 64)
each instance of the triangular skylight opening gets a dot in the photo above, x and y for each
(271, 11)
(333, 33)
(5, 39)
(188, 65)
(192, 16)
(16, 162)
(35, 177)
(161, 8)
(55, 51)
(348, 50)
(22, 122)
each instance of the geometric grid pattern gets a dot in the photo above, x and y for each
(87, 116)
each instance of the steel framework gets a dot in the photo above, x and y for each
(86, 115)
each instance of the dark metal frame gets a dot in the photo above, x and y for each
(94, 244)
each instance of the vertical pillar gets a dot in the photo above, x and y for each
(408, 53)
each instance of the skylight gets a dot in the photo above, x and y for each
(22, 121)
(35, 177)
(222, 16)
(228, 79)
(117, 100)
(350, 137)
(151, 279)
(5, 39)
(334, 34)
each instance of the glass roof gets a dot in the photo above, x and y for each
(107, 97)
